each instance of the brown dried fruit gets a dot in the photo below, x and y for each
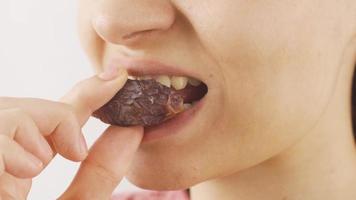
(144, 102)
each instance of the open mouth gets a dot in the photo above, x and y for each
(190, 89)
(151, 100)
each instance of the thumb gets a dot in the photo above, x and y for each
(92, 93)
(106, 164)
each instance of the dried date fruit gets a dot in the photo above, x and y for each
(141, 102)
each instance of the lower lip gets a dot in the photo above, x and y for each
(174, 125)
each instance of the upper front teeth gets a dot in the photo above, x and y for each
(131, 77)
(164, 80)
(177, 82)
(144, 77)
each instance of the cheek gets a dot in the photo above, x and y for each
(92, 44)
(279, 75)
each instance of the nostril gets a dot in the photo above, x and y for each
(137, 34)
(126, 22)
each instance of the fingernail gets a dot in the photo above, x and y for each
(83, 148)
(110, 72)
(37, 163)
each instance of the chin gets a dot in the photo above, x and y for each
(151, 174)
(160, 181)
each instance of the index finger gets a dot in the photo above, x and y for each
(63, 121)
(92, 93)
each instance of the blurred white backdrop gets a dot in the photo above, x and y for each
(40, 57)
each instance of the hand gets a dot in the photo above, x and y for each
(106, 164)
(33, 130)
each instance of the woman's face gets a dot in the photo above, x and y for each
(269, 66)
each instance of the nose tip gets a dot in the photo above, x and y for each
(120, 23)
(109, 29)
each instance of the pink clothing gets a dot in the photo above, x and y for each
(152, 195)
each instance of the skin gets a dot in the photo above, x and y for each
(279, 77)
(32, 131)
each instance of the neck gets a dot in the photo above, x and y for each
(319, 166)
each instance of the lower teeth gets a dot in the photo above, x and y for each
(187, 106)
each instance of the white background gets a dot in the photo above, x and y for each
(40, 57)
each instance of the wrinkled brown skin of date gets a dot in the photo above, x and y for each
(141, 102)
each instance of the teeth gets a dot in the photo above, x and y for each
(131, 77)
(179, 82)
(194, 82)
(144, 78)
(187, 106)
(194, 102)
(164, 80)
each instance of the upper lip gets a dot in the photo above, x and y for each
(142, 67)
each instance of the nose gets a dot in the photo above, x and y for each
(121, 21)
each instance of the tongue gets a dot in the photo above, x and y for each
(192, 93)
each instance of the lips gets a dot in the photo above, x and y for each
(143, 67)
(183, 84)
